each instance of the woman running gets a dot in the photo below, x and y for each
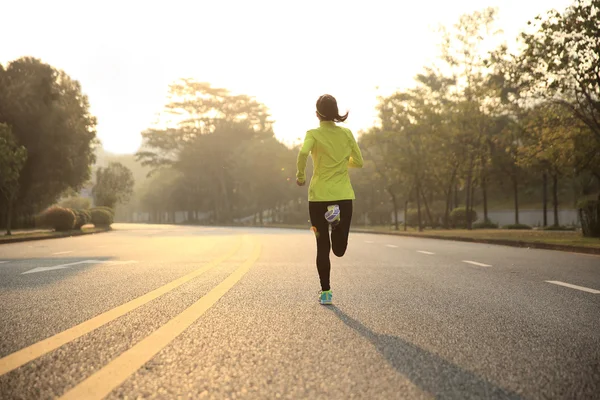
(333, 150)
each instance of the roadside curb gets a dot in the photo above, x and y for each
(502, 242)
(16, 239)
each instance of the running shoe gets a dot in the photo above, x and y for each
(333, 215)
(325, 297)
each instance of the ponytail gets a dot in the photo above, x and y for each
(328, 110)
(341, 118)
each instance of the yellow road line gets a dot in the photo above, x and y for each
(30, 353)
(100, 384)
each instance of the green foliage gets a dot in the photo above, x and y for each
(412, 219)
(562, 60)
(517, 227)
(485, 225)
(82, 217)
(458, 217)
(58, 218)
(559, 228)
(114, 184)
(101, 218)
(76, 203)
(475, 133)
(221, 157)
(49, 116)
(589, 214)
(12, 159)
(107, 209)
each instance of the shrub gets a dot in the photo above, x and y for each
(517, 226)
(107, 209)
(59, 218)
(412, 217)
(458, 217)
(589, 215)
(101, 218)
(559, 228)
(82, 217)
(485, 225)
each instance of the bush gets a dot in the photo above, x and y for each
(107, 209)
(101, 218)
(589, 215)
(458, 217)
(485, 225)
(58, 218)
(559, 228)
(82, 217)
(412, 217)
(517, 226)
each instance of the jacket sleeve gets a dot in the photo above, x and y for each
(309, 142)
(356, 159)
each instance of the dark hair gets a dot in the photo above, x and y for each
(328, 109)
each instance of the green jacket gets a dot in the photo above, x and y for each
(333, 150)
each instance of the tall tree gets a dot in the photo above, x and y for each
(12, 160)
(562, 58)
(49, 116)
(464, 51)
(210, 128)
(114, 185)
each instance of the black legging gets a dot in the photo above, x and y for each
(339, 235)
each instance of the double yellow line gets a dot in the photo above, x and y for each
(118, 370)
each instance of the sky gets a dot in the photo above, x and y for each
(285, 53)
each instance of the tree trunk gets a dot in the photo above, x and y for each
(395, 204)
(456, 202)
(9, 217)
(555, 197)
(545, 198)
(420, 225)
(484, 198)
(516, 196)
(449, 201)
(468, 194)
(470, 212)
(429, 217)
(405, 213)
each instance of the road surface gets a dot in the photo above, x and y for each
(150, 311)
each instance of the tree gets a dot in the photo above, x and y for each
(12, 160)
(49, 116)
(562, 58)
(210, 130)
(463, 51)
(549, 144)
(114, 184)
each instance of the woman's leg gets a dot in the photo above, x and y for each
(339, 235)
(317, 212)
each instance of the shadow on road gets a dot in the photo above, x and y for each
(429, 372)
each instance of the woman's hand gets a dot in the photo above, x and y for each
(300, 183)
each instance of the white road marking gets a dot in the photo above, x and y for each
(63, 266)
(424, 252)
(2, 262)
(391, 245)
(583, 289)
(476, 263)
(63, 252)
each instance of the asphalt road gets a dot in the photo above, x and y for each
(196, 312)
